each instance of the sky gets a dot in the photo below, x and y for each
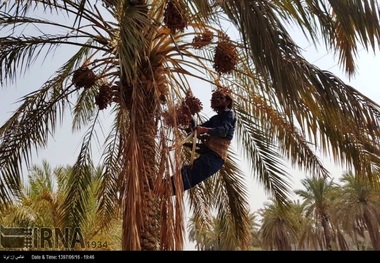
(64, 148)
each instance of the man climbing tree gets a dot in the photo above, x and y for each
(219, 131)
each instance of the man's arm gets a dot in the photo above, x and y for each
(223, 128)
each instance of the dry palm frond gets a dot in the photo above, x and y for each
(160, 81)
(122, 93)
(137, 2)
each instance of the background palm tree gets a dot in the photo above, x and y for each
(42, 206)
(220, 234)
(279, 227)
(307, 238)
(40, 200)
(137, 58)
(317, 204)
(356, 209)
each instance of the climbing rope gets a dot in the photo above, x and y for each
(193, 148)
(193, 136)
(176, 145)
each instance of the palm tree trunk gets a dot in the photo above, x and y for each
(141, 228)
(373, 230)
(327, 232)
(150, 230)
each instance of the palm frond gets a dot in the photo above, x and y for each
(264, 158)
(112, 185)
(78, 188)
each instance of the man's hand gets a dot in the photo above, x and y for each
(201, 129)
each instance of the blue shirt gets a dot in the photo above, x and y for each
(222, 125)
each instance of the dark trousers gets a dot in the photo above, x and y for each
(207, 164)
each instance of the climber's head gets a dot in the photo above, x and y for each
(221, 99)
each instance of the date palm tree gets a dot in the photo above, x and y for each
(41, 203)
(219, 234)
(357, 207)
(137, 59)
(279, 227)
(317, 204)
(39, 199)
(306, 231)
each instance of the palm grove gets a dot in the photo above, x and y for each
(137, 59)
